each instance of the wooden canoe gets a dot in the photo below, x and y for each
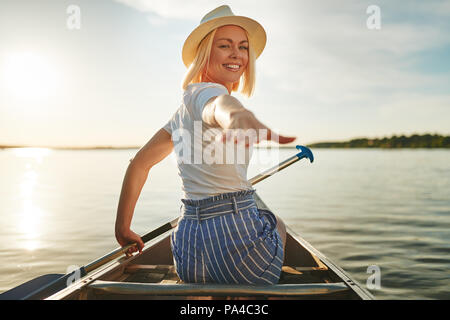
(306, 274)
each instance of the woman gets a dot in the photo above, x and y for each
(221, 237)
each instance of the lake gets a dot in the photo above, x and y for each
(360, 207)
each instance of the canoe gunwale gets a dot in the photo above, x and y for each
(351, 283)
(290, 290)
(322, 259)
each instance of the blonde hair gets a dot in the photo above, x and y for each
(201, 60)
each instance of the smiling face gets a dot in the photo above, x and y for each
(229, 56)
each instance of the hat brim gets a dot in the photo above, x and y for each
(256, 33)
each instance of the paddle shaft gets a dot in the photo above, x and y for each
(267, 173)
(119, 251)
(62, 282)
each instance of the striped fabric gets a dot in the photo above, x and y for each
(227, 239)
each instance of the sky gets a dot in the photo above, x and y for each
(331, 70)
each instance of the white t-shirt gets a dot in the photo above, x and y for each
(206, 167)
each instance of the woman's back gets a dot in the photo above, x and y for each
(207, 167)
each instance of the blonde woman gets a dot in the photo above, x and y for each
(221, 237)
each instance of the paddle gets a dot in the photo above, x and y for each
(58, 282)
(304, 153)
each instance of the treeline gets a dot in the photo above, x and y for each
(414, 141)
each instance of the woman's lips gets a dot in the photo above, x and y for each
(232, 67)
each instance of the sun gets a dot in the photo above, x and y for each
(29, 75)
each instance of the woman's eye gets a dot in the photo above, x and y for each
(227, 46)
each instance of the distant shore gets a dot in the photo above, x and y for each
(394, 142)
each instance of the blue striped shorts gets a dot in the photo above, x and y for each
(227, 239)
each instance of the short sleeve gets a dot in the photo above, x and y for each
(202, 95)
(168, 126)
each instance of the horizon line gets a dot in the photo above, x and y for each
(110, 147)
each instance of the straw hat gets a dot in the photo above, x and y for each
(222, 16)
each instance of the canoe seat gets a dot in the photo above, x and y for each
(142, 273)
(146, 273)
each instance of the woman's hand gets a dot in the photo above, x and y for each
(126, 237)
(239, 123)
(245, 127)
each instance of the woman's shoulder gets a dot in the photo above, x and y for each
(199, 86)
(197, 94)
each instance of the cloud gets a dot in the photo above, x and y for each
(157, 20)
(330, 54)
(415, 113)
(172, 9)
(419, 107)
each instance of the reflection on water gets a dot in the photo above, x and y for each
(361, 208)
(29, 217)
(36, 154)
(29, 225)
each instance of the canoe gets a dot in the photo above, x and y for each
(306, 274)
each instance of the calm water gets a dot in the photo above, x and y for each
(389, 208)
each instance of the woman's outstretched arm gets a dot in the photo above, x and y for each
(227, 112)
(159, 147)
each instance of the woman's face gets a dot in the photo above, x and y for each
(229, 56)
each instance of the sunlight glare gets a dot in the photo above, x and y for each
(36, 154)
(29, 76)
(30, 218)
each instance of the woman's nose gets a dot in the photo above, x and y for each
(235, 53)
